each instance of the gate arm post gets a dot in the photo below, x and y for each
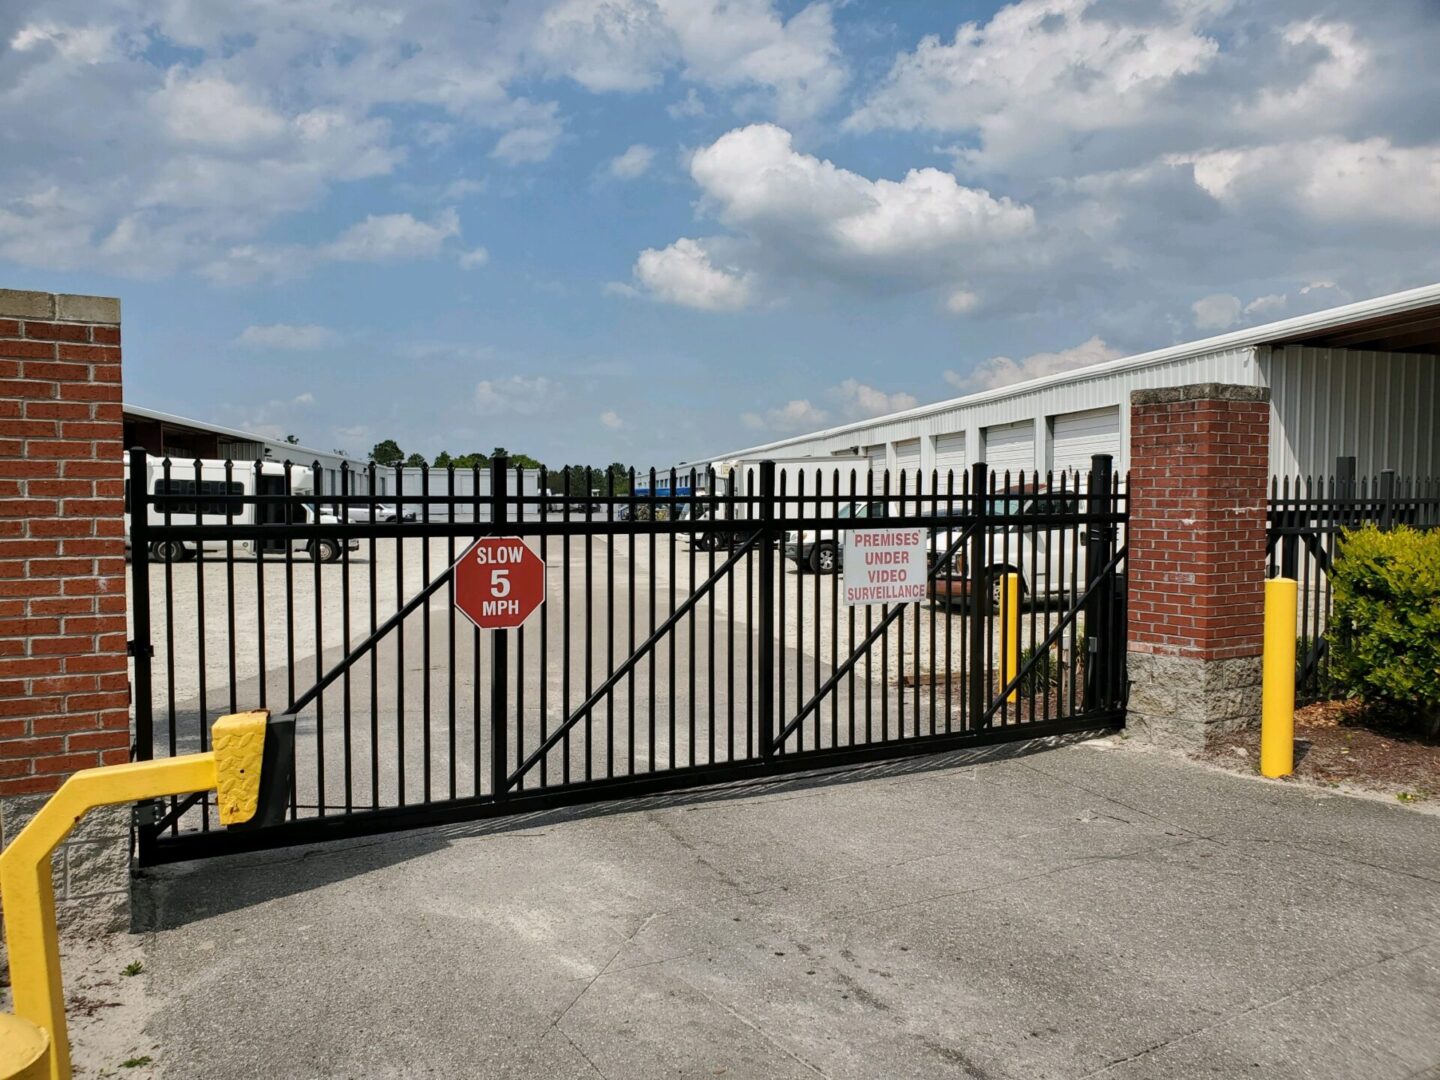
(27, 891)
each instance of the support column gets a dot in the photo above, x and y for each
(64, 698)
(1199, 459)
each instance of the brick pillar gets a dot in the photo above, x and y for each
(64, 697)
(1199, 461)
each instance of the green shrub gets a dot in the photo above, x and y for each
(1044, 674)
(1385, 629)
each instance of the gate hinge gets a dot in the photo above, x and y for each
(139, 648)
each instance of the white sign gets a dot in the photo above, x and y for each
(885, 566)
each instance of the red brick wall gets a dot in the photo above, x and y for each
(1199, 460)
(64, 698)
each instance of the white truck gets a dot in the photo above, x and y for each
(242, 479)
(1050, 558)
(798, 482)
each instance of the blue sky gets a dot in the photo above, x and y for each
(650, 229)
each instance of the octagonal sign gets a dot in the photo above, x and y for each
(499, 582)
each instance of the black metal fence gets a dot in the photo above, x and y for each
(1307, 520)
(686, 638)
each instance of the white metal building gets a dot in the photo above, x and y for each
(181, 438)
(1361, 380)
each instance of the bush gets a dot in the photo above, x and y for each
(1044, 674)
(1385, 629)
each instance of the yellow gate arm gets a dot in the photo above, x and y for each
(27, 892)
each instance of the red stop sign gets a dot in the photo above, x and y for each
(499, 582)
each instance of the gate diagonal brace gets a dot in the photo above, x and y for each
(620, 672)
(864, 647)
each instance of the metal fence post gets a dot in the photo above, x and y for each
(765, 661)
(1099, 629)
(1387, 500)
(499, 650)
(139, 646)
(979, 595)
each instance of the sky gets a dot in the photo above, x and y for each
(653, 230)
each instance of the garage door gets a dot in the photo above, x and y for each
(876, 454)
(1012, 447)
(907, 465)
(1080, 435)
(950, 458)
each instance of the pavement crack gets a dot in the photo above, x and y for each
(1334, 976)
(771, 1040)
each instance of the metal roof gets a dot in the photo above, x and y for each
(1398, 322)
(128, 409)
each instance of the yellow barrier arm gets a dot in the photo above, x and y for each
(27, 892)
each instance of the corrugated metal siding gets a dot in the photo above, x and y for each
(1328, 403)
(1104, 389)
(1080, 435)
(876, 456)
(1010, 448)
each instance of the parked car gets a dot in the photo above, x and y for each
(1048, 557)
(822, 551)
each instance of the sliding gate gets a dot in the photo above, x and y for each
(688, 637)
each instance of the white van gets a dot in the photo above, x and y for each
(242, 479)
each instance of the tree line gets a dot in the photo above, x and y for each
(387, 453)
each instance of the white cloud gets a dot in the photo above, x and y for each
(795, 415)
(794, 67)
(858, 401)
(287, 336)
(685, 274)
(1328, 180)
(530, 144)
(961, 302)
(378, 238)
(475, 257)
(853, 400)
(1269, 304)
(687, 108)
(1218, 311)
(383, 237)
(518, 394)
(611, 420)
(1003, 371)
(1038, 69)
(807, 217)
(633, 163)
(212, 111)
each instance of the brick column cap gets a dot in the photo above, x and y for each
(1209, 391)
(60, 307)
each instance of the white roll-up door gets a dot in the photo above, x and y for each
(1080, 435)
(876, 456)
(907, 464)
(950, 458)
(1012, 447)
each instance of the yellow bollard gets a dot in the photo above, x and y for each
(27, 894)
(1277, 717)
(23, 1049)
(1010, 609)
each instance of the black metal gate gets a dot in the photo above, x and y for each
(686, 638)
(1307, 520)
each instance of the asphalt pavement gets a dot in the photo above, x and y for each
(1072, 911)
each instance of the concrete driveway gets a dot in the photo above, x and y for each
(1028, 912)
